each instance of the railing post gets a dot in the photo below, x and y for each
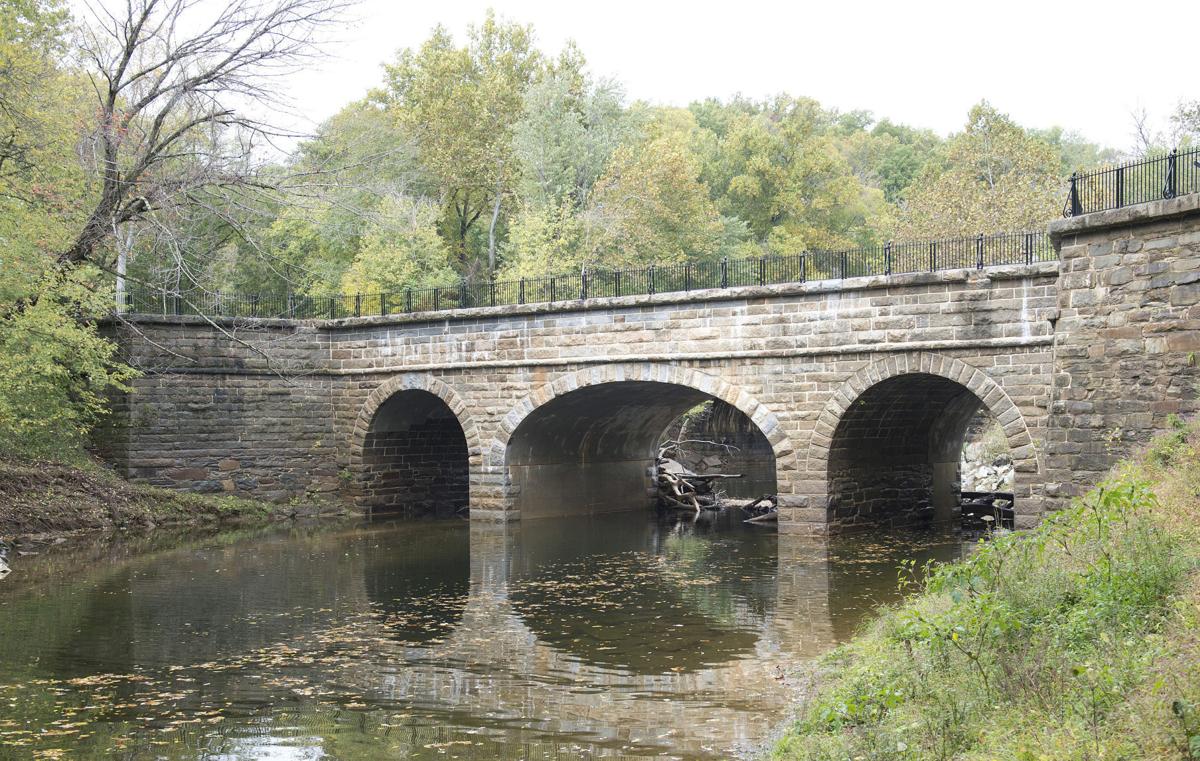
(553, 295)
(687, 276)
(408, 299)
(583, 284)
(845, 261)
(724, 271)
(332, 308)
(462, 293)
(650, 280)
(492, 289)
(1120, 186)
(358, 305)
(887, 257)
(1169, 187)
(178, 305)
(291, 305)
(383, 304)
(1076, 207)
(437, 299)
(254, 305)
(803, 268)
(521, 291)
(762, 270)
(979, 252)
(617, 282)
(1029, 248)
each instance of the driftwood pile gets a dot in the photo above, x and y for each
(681, 487)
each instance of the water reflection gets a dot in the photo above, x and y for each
(611, 636)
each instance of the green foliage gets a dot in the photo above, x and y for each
(650, 206)
(780, 170)
(401, 249)
(569, 128)
(992, 177)
(1171, 447)
(1031, 648)
(55, 371)
(460, 104)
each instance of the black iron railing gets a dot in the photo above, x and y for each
(1149, 179)
(889, 259)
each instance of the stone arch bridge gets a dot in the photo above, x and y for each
(862, 387)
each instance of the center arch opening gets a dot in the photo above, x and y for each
(897, 451)
(593, 450)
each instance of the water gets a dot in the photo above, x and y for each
(614, 637)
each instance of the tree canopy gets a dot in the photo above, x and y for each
(128, 153)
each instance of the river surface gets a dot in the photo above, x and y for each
(612, 637)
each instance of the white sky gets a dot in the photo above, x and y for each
(1083, 65)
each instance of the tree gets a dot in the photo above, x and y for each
(173, 125)
(358, 159)
(1185, 122)
(781, 171)
(993, 177)
(650, 207)
(460, 104)
(889, 156)
(569, 128)
(544, 240)
(1075, 152)
(55, 370)
(401, 249)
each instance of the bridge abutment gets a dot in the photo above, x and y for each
(1126, 338)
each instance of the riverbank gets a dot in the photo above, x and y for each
(48, 499)
(1077, 640)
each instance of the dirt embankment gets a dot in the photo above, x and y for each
(38, 498)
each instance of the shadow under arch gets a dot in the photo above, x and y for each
(412, 448)
(586, 442)
(888, 443)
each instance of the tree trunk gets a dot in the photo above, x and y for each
(492, 236)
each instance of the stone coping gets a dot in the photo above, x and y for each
(739, 293)
(1138, 214)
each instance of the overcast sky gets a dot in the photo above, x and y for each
(1080, 64)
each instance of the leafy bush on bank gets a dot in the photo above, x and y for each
(1077, 640)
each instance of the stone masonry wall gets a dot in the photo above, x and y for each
(289, 409)
(421, 470)
(1127, 336)
(219, 414)
(787, 356)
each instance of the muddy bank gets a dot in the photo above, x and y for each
(51, 499)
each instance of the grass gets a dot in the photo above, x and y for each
(1077, 640)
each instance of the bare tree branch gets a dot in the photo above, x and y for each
(178, 92)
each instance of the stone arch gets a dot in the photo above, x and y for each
(496, 457)
(419, 382)
(992, 396)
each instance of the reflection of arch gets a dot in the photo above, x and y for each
(410, 449)
(590, 435)
(418, 594)
(949, 391)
